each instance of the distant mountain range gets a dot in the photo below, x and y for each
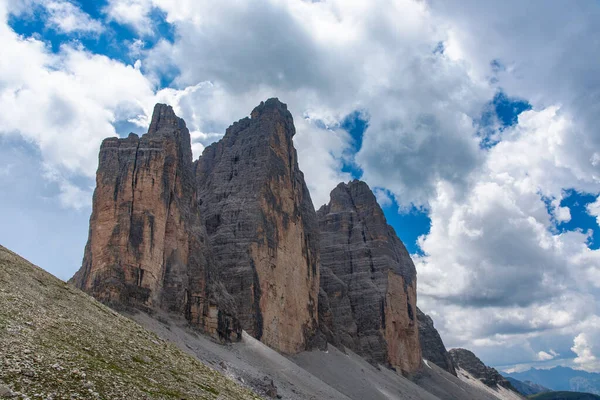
(564, 396)
(527, 388)
(561, 378)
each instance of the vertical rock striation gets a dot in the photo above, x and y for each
(432, 344)
(232, 241)
(262, 227)
(147, 246)
(368, 281)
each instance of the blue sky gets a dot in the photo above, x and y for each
(474, 125)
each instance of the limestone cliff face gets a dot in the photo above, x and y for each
(232, 241)
(432, 344)
(147, 246)
(368, 281)
(262, 227)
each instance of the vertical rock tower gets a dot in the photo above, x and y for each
(368, 281)
(147, 245)
(262, 227)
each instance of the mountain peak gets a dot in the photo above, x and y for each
(274, 110)
(369, 280)
(164, 120)
(272, 104)
(359, 192)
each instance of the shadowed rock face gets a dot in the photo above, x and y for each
(147, 246)
(468, 361)
(368, 281)
(432, 344)
(262, 226)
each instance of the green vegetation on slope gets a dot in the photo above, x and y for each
(57, 342)
(564, 396)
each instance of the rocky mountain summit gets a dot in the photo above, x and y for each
(368, 281)
(232, 241)
(147, 245)
(262, 227)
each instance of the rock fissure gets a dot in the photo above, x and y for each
(131, 216)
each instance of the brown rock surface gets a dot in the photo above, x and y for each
(147, 246)
(232, 241)
(262, 226)
(368, 279)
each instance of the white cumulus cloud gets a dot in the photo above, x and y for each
(585, 349)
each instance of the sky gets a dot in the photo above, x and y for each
(474, 122)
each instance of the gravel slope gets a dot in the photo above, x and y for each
(250, 362)
(57, 342)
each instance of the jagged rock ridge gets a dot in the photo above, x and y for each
(262, 226)
(368, 281)
(432, 344)
(466, 360)
(147, 245)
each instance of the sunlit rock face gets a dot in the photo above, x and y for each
(147, 244)
(368, 281)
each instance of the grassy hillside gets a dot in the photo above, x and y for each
(564, 396)
(57, 342)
